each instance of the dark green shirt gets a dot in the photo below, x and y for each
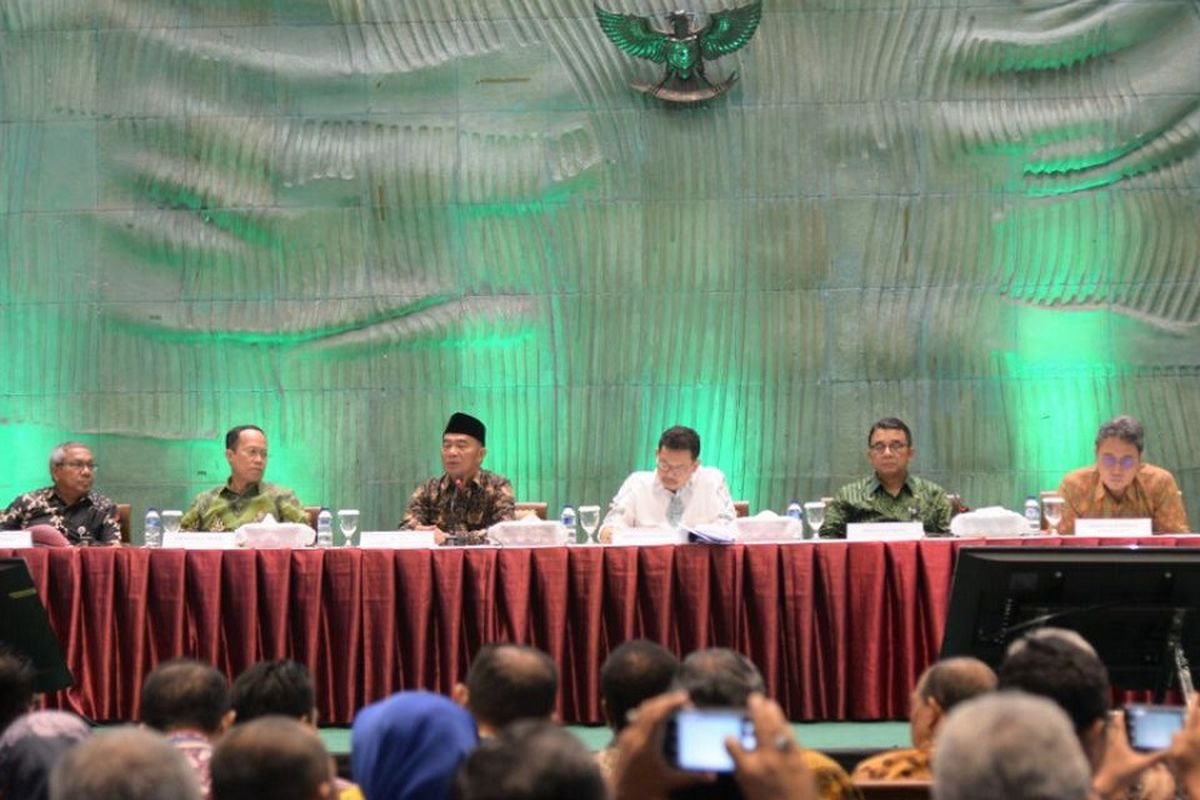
(867, 501)
(222, 509)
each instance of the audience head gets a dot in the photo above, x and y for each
(530, 760)
(274, 687)
(508, 682)
(186, 694)
(409, 745)
(1009, 746)
(126, 764)
(635, 671)
(940, 688)
(16, 686)
(719, 677)
(1062, 667)
(677, 457)
(1119, 444)
(31, 747)
(72, 469)
(271, 758)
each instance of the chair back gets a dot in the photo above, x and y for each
(526, 509)
(741, 508)
(124, 512)
(894, 790)
(310, 515)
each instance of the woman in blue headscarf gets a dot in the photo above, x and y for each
(410, 745)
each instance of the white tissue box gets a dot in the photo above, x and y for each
(528, 533)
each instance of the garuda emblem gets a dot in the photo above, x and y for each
(684, 48)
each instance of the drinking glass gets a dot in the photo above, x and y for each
(171, 520)
(814, 515)
(348, 522)
(1052, 508)
(589, 520)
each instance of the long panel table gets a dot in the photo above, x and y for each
(840, 630)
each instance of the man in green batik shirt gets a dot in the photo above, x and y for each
(891, 494)
(245, 497)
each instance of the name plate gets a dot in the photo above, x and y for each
(1114, 527)
(16, 539)
(884, 531)
(648, 536)
(200, 540)
(396, 540)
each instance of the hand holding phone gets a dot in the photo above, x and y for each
(1152, 727)
(695, 738)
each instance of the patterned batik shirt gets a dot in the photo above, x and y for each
(222, 509)
(909, 764)
(867, 501)
(467, 512)
(93, 514)
(1153, 493)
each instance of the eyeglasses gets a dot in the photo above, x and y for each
(80, 465)
(677, 469)
(895, 447)
(1111, 461)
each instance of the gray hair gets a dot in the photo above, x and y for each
(126, 764)
(1125, 428)
(1009, 746)
(1050, 632)
(59, 454)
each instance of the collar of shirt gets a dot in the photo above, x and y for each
(448, 482)
(1133, 491)
(52, 494)
(691, 481)
(876, 486)
(251, 491)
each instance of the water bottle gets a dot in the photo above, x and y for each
(152, 531)
(567, 518)
(324, 528)
(1033, 515)
(796, 511)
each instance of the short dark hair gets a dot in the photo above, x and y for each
(270, 758)
(1125, 428)
(953, 680)
(234, 433)
(891, 424)
(680, 438)
(530, 760)
(273, 687)
(1061, 670)
(508, 682)
(719, 676)
(184, 694)
(634, 672)
(16, 686)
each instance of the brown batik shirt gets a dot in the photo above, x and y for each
(1153, 493)
(464, 512)
(92, 515)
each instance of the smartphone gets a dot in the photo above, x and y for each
(695, 738)
(1152, 727)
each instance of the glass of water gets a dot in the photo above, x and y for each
(171, 520)
(348, 522)
(589, 520)
(814, 515)
(1052, 508)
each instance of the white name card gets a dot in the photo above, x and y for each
(396, 540)
(884, 531)
(16, 539)
(648, 536)
(1114, 527)
(200, 540)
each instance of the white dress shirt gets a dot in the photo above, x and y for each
(642, 500)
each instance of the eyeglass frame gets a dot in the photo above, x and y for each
(895, 447)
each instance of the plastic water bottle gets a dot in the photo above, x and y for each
(796, 511)
(1033, 515)
(567, 518)
(152, 530)
(324, 528)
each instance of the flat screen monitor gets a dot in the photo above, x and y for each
(25, 628)
(1131, 603)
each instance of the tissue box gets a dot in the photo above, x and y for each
(528, 533)
(274, 535)
(770, 529)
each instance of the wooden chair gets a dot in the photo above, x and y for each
(741, 508)
(527, 509)
(310, 514)
(124, 512)
(894, 790)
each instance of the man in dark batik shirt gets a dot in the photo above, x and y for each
(70, 506)
(461, 504)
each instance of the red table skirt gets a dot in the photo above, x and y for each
(839, 630)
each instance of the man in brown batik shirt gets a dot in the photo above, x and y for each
(462, 503)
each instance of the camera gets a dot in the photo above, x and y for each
(695, 738)
(1152, 727)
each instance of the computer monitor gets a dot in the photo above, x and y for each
(1134, 604)
(25, 628)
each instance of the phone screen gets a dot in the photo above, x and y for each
(1152, 727)
(696, 738)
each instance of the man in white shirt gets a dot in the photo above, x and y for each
(678, 492)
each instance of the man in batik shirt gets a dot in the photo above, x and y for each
(245, 497)
(462, 503)
(69, 507)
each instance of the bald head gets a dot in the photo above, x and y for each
(271, 758)
(508, 682)
(942, 687)
(127, 764)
